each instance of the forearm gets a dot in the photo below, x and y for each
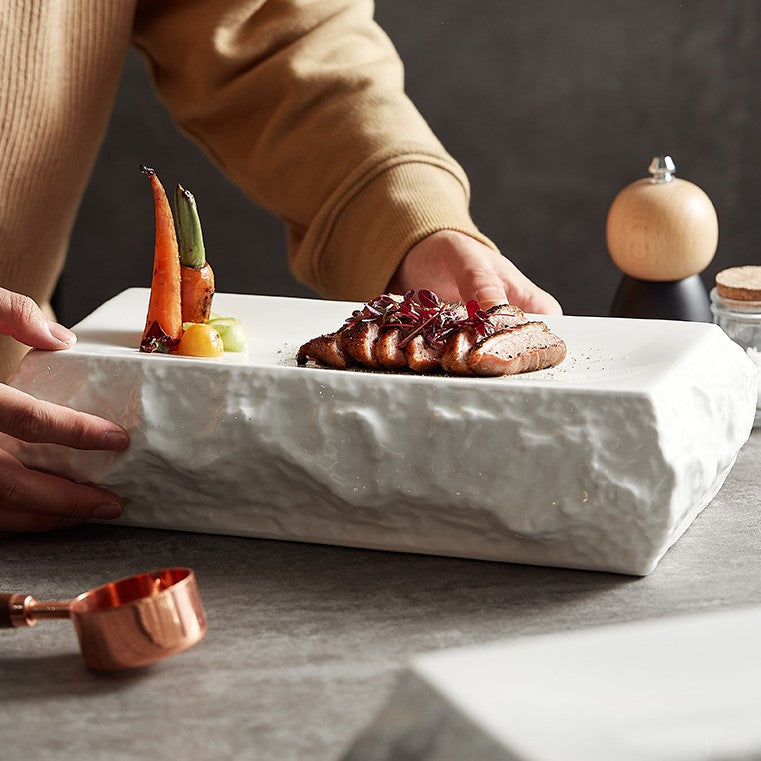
(302, 105)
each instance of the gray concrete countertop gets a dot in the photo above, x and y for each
(305, 642)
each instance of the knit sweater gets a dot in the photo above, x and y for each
(300, 102)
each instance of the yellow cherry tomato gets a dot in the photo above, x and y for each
(200, 340)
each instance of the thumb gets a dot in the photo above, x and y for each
(530, 297)
(481, 283)
(21, 318)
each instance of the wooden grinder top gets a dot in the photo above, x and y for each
(661, 227)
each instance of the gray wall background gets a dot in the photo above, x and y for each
(552, 106)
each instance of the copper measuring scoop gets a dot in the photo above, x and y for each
(125, 624)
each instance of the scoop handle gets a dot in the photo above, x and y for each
(24, 610)
(14, 610)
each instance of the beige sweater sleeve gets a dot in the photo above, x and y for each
(301, 103)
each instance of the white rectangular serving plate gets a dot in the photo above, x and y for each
(599, 463)
(664, 690)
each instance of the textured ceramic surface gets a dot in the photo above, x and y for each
(600, 463)
(667, 690)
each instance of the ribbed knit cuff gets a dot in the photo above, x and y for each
(399, 204)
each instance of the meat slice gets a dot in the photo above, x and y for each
(421, 357)
(503, 342)
(326, 350)
(505, 316)
(457, 349)
(520, 349)
(456, 352)
(358, 341)
(386, 352)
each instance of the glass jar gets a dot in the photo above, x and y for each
(741, 321)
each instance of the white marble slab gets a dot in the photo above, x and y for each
(680, 689)
(600, 463)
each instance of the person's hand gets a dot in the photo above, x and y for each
(31, 500)
(460, 268)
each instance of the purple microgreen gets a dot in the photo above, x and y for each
(421, 328)
(385, 309)
(428, 299)
(156, 340)
(423, 313)
(479, 319)
(429, 313)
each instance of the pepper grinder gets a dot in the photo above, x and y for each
(662, 232)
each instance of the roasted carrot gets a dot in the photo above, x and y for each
(196, 274)
(163, 326)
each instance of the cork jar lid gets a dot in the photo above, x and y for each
(740, 283)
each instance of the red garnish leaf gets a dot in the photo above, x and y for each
(473, 308)
(478, 319)
(423, 313)
(156, 340)
(428, 299)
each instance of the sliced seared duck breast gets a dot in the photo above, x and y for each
(426, 335)
(520, 349)
(358, 341)
(326, 350)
